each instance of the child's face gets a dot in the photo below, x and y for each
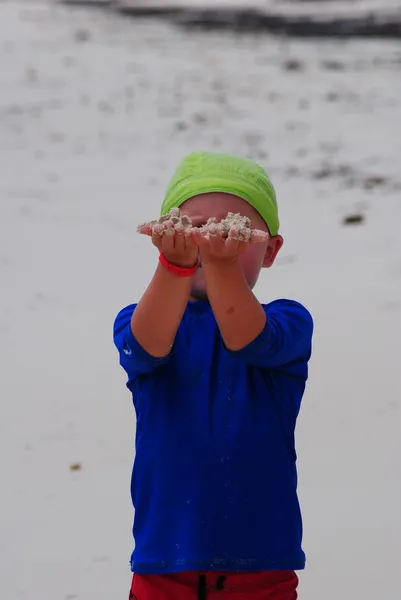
(217, 204)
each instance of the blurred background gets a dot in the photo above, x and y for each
(99, 101)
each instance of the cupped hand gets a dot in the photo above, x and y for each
(228, 239)
(171, 235)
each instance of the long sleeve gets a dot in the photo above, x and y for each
(285, 339)
(133, 358)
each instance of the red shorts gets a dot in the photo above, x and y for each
(216, 585)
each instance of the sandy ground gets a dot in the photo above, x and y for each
(95, 112)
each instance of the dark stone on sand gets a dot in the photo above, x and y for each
(373, 182)
(327, 170)
(75, 467)
(292, 64)
(354, 219)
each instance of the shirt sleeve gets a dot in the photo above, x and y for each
(133, 358)
(286, 338)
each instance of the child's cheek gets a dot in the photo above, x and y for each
(254, 255)
(252, 261)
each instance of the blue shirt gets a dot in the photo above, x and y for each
(214, 483)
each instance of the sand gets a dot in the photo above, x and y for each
(95, 113)
(233, 225)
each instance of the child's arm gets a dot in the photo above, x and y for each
(158, 314)
(239, 315)
(270, 336)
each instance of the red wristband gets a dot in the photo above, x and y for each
(175, 269)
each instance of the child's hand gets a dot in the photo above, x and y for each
(227, 239)
(171, 235)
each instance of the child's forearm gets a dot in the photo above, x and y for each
(158, 314)
(239, 315)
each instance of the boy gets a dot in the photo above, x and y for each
(217, 380)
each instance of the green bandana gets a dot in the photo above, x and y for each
(204, 172)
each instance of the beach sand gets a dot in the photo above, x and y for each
(95, 113)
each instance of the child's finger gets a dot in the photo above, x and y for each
(169, 228)
(168, 243)
(190, 241)
(217, 244)
(157, 240)
(232, 246)
(179, 241)
(158, 229)
(200, 240)
(242, 247)
(179, 227)
(145, 228)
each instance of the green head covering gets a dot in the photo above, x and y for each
(204, 172)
